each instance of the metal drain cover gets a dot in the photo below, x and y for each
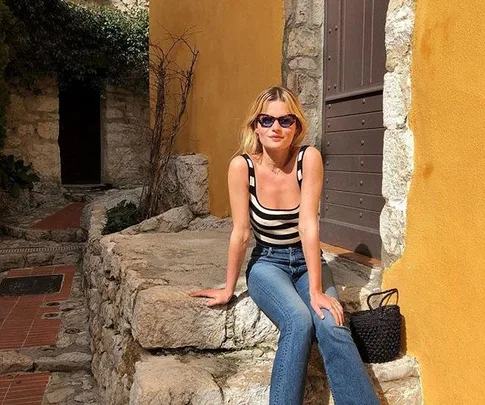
(31, 285)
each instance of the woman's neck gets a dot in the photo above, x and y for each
(276, 160)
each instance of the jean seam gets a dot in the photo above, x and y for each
(287, 317)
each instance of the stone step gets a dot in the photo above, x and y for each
(32, 234)
(242, 378)
(21, 253)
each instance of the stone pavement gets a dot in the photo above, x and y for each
(45, 357)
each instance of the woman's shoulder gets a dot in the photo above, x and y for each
(238, 165)
(311, 154)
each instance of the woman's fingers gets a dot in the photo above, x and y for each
(209, 293)
(318, 311)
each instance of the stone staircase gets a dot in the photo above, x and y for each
(23, 246)
(153, 344)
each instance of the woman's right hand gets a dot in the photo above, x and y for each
(218, 296)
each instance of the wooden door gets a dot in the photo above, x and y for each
(353, 130)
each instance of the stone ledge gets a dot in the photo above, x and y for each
(242, 378)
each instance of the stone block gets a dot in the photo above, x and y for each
(25, 131)
(399, 30)
(398, 163)
(318, 14)
(303, 11)
(114, 113)
(175, 219)
(393, 229)
(251, 326)
(303, 63)
(396, 98)
(158, 381)
(192, 176)
(11, 362)
(167, 317)
(303, 42)
(48, 130)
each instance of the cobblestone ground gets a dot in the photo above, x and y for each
(46, 373)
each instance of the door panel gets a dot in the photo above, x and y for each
(354, 132)
(355, 121)
(354, 106)
(367, 142)
(354, 163)
(351, 215)
(357, 200)
(368, 183)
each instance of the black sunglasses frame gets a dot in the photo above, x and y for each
(260, 118)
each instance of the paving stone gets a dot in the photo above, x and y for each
(12, 361)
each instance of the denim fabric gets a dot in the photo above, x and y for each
(278, 284)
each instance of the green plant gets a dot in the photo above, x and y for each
(15, 175)
(121, 216)
(5, 19)
(96, 45)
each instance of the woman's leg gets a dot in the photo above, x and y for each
(349, 382)
(271, 288)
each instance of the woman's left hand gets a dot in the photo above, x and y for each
(320, 300)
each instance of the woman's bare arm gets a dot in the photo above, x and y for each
(239, 198)
(311, 190)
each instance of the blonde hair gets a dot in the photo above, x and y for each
(249, 140)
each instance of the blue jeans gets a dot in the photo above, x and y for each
(278, 284)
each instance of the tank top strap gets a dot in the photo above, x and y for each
(251, 175)
(299, 164)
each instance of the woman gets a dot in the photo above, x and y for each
(275, 188)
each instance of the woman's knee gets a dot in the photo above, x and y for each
(299, 321)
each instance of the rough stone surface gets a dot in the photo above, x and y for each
(12, 361)
(125, 142)
(302, 60)
(192, 175)
(399, 31)
(398, 159)
(210, 222)
(32, 129)
(397, 163)
(71, 389)
(65, 362)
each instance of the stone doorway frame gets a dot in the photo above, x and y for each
(302, 71)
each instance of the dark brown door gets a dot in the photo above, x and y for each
(79, 134)
(353, 130)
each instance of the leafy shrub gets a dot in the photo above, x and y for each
(96, 45)
(5, 19)
(121, 216)
(15, 175)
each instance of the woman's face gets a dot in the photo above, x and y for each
(276, 137)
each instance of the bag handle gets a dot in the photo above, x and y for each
(387, 296)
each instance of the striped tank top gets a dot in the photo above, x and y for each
(274, 227)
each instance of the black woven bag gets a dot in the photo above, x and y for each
(377, 331)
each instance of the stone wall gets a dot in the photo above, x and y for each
(125, 150)
(32, 129)
(302, 65)
(398, 159)
(33, 132)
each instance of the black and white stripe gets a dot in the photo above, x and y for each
(274, 227)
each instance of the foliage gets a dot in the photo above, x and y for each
(5, 19)
(15, 175)
(96, 45)
(121, 216)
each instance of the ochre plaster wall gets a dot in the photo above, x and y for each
(441, 274)
(240, 44)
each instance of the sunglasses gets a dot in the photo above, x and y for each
(267, 121)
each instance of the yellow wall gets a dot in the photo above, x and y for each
(240, 44)
(441, 275)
